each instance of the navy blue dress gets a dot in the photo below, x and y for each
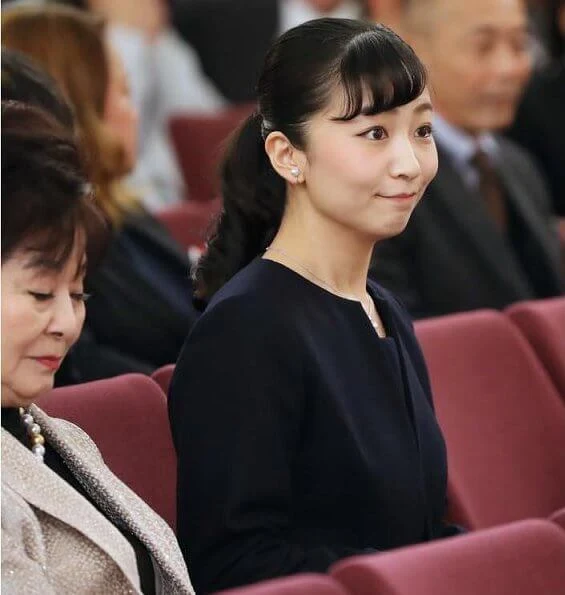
(302, 437)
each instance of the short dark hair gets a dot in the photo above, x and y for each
(301, 70)
(46, 198)
(25, 81)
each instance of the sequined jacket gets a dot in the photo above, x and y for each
(55, 541)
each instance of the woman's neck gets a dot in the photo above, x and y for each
(325, 251)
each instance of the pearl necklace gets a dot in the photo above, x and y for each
(369, 309)
(34, 432)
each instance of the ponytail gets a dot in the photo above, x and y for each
(301, 72)
(253, 204)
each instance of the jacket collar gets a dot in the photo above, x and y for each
(44, 490)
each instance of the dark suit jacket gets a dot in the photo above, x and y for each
(231, 38)
(540, 127)
(130, 325)
(451, 257)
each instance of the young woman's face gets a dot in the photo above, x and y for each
(42, 316)
(369, 173)
(120, 114)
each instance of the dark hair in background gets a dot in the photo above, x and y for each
(46, 198)
(23, 80)
(301, 70)
(556, 38)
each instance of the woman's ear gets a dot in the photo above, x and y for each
(286, 160)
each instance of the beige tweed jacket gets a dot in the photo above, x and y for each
(55, 541)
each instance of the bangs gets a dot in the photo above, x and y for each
(378, 74)
(52, 244)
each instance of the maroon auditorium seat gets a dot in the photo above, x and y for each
(543, 324)
(300, 584)
(189, 222)
(523, 558)
(163, 376)
(199, 141)
(127, 418)
(559, 518)
(502, 418)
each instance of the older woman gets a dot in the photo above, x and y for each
(68, 524)
(141, 309)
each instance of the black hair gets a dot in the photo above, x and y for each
(46, 198)
(303, 67)
(25, 81)
(556, 39)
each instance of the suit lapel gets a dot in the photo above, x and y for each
(470, 215)
(122, 506)
(531, 217)
(43, 489)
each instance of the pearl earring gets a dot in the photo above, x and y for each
(295, 171)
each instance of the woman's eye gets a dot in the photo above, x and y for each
(40, 297)
(375, 133)
(80, 296)
(424, 131)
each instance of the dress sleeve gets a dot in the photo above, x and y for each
(235, 407)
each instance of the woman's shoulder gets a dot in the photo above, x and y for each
(258, 305)
(259, 289)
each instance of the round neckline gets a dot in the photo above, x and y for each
(350, 303)
(315, 286)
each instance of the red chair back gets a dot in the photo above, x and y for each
(518, 559)
(543, 324)
(307, 584)
(502, 418)
(190, 222)
(559, 518)
(163, 377)
(199, 141)
(127, 418)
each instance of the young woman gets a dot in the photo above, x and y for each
(68, 524)
(141, 307)
(300, 405)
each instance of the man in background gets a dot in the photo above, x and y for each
(484, 235)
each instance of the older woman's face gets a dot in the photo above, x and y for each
(42, 316)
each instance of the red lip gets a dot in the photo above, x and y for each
(405, 195)
(50, 362)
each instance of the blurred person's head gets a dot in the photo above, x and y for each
(387, 12)
(52, 231)
(24, 81)
(70, 45)
(478, 56)
(341, 137)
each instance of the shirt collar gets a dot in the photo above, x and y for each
(459, 144)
